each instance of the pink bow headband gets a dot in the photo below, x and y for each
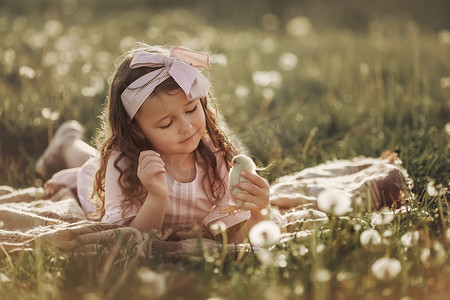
(180, 65)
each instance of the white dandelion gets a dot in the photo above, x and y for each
(384, 216)
(27, 72)
(288, 61)
(48, 114)
(241, 91)
(322, 275)
(267, 78)
(264, 234)
(155, 283)
(334, 202)
(4, 278)
(265, 257)
(409, 239)
(299, 26)
(447, 128)
(386, 268)
(218, 227)
(370, 237)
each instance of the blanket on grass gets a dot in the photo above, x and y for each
(27, 219)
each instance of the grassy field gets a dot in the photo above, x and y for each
(296, 92)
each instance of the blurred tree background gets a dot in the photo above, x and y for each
(379, 69)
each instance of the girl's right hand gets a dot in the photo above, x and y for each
(151, 173)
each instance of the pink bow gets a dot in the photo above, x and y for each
(180, 65)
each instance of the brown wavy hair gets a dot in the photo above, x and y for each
(117, 135)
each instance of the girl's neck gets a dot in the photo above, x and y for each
(180, 167)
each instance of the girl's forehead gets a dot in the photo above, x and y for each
(164, 102)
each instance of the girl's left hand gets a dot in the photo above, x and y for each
(256, 192)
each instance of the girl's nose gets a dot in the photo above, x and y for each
(185, 126)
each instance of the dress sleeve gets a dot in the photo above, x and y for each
(114, 197)
(66, 177)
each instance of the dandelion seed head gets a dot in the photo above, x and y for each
(322, 275)
(268, 45)
(444, 37)
(53, 28)
(320, 248)
(343, 276)
(386, 268)
(155, 283)
(445, 82)
(265, 257)
(241, 91)
(364, 69)
(409, 239)
(384, 216)
(431, 189)
(126, 43)
(9, 56)
(27, 72)
(219, 227)
(299, 289)
(425, 256)
(267, 78)
(288, 61)
(4, 278)
(447, 128)
(48, 114)
(299, 27)
(334, 202)
(220, 59)
(264, 234)
(303, 250)
(268, 93)
(370, 237)
(440, 253)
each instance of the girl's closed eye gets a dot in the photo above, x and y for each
(166, 126)
(192, 110)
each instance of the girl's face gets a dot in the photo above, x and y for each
(172, 123)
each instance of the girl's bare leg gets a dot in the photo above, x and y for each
(66, 150)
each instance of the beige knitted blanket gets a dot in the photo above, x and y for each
(26, 219)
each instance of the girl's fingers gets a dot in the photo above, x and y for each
(251, 206)
(148, 153)
(255, 179)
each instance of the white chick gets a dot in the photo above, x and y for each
(240, 163)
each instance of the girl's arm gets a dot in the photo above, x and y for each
(151, 173)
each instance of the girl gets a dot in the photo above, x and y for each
(164, 160)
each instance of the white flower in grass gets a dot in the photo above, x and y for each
(48, 114)
(334, 202)
(409, 239)
(264, 234)
(384, 216)
(154, 283)
(27, 72)
(4, 278)
(370, 237)
(432, 189)
(386, 268)
(447, 128)
(439, 253)
(322, 275)
(265, 257)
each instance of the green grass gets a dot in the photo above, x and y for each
(351, 93)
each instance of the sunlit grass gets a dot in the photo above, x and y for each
(296, 97)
